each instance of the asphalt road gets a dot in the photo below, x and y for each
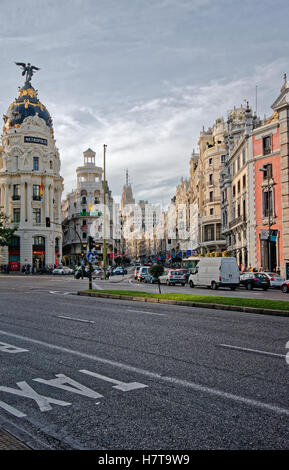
(90, 373)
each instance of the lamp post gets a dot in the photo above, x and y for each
(269, 214)
(104, 213)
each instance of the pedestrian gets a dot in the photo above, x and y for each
(8, 268)
(28, 269)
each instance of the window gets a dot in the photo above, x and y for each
(211, 211)
(16, 192)
(211, 196)
(16, 215)
(269, 171)
(36, 192)
(210, 161)
(209, 233)
(238, 210)
(234, 191)
(267, 146)
(223, 158)
(244, 210)
(239, 186)
(35, 163)
(51, 164)
(244, 181)
(238, 163)
(268, 203)
(83, 200)
(244, 157)
(211, 178)
(218, 232)
(37, 216)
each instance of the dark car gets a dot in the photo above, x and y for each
(254, 281)
(285, 287)
(185, 272)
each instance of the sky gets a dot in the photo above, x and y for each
(142, 77)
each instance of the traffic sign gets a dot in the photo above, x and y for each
(91, 256)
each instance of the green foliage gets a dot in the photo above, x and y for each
(5, 233)
(156, 270)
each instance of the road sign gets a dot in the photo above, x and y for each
(91, 257)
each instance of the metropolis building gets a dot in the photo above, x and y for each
(30, 182)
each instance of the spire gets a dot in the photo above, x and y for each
(126, 177)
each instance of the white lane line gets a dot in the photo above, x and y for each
(153, 375)
(145, 311)
(267, 353)
(96, 286)
(75, 319)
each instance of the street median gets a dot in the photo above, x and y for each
(259, 306)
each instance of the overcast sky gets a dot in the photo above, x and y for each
(142, 76)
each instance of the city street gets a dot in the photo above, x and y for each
(91, 373)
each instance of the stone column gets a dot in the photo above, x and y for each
(51, 204)
(29, 203)
(22, 201)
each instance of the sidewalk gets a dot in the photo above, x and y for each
(9, 442)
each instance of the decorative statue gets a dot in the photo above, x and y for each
(27, 69)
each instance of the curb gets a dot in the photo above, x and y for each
(9, 442)
(235, 308)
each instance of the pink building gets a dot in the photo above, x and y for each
(268, 201)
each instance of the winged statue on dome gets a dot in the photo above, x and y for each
(28, 69)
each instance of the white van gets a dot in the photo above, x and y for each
(216, 272)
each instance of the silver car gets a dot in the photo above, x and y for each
(275, 279)
(172, 277)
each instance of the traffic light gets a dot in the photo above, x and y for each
(169, 241)
(82, 254)
(90, 243)
(47, 221)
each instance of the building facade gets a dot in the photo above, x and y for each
(83, 213)
(30, 183)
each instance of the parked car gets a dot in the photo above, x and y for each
(119, 270)
(150, 279)
(184, 272)
(136, 271)
(216, 272)
(172, 277)
(285, 287)
(143, 271)
(62, 270)
(275, 279)
(254, 280)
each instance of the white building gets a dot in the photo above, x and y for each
(81, 212)
(30, 183)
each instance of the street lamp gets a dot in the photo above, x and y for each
(266, 169)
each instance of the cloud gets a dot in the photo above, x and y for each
(154, 138)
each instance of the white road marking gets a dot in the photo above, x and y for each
(267, 353)
(123, 386)
(8, 348)
(66, 383)
(153, 375)
(12, 410)
(28, 392)
(96, 286)
(145, 311)
(75, 319)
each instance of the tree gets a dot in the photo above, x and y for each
(5, 233)
(156, 270)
